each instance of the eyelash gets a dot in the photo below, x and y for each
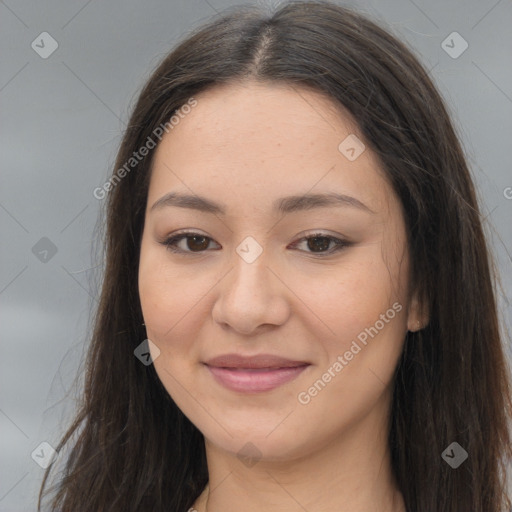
(169, 243)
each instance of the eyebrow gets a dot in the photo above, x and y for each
(283, 205)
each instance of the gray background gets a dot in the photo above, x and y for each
(62, 120)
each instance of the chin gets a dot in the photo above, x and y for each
(257, 439)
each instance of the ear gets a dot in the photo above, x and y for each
(417, 315)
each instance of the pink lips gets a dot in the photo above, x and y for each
(254, 374)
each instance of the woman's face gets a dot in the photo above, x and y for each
(331, 312)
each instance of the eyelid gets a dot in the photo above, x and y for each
(341, 242)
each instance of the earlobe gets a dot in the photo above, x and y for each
(418, 316)
(416, 326)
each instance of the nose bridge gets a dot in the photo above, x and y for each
(250, 295)
(250, 278)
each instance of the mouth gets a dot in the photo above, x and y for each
(254, 374)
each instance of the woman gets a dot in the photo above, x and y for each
(298, 310)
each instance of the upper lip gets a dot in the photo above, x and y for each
(250, 362)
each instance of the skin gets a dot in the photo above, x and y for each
(245, 145)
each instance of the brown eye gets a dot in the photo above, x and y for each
(318, 243)
(195, 243)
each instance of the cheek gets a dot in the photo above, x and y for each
(353, 295)
(370, 324)
(175, 306)
(169, 317)
(163, 299)
(361, 305)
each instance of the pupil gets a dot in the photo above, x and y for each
(202, 246)
(312, 243)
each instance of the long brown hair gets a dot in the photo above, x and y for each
(134, 449)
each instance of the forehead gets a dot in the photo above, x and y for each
(262, 140)
(253, 112)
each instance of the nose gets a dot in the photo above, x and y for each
(251, 297)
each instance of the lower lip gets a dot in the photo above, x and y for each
(254, 381)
